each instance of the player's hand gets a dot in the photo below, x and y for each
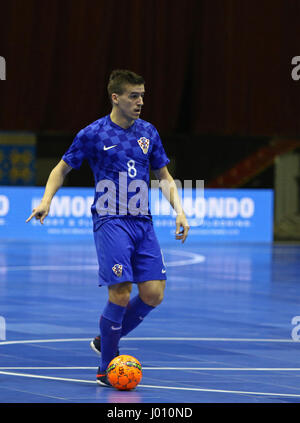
(40, 213)
(182, 227)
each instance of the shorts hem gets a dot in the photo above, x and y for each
(136, 282)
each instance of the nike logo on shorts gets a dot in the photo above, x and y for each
(109, 147)
(113, 328)
(163, 271)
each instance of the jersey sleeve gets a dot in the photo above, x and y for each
(158, 156)
(76, 153)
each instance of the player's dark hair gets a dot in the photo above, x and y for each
(119, 78)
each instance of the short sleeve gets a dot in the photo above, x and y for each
(76, 153)
(158, 157)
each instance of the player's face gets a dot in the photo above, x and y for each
(130, 103)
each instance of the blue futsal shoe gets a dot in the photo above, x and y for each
(102, 379)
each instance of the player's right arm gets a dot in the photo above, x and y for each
(55, 181)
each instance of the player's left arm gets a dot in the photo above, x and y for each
(169, 190)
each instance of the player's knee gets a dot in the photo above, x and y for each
(153, 295)
(120, 294)
(153, 299)
(157, 298)
(120, 298)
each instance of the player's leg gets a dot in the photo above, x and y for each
(120, 293)
(111, 321)
(150, 295)
(114, 249)
(152, 292)
(148, 266)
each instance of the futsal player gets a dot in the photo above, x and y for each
(120, 148)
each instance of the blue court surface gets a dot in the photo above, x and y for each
(226, 332)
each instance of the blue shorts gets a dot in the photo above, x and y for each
(128, 251)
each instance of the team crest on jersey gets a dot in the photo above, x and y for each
(144, 144)
(117, 269)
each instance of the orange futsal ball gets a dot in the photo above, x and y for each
(124, 372)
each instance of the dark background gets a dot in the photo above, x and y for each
(218, 74)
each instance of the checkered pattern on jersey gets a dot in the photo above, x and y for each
(111, 149)
(108, 148)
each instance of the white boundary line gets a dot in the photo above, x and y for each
(156, 387)
(229, 369)
(28, 375)
(270, 340)
(46, 377)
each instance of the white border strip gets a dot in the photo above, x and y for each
(229, 369)
(156, 387)
(8, 373)
(35, 341)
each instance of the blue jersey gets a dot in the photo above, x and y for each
(120, 160)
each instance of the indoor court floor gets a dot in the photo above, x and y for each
(226, 332)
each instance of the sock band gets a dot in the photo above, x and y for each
(114, 312)
(139, 306)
